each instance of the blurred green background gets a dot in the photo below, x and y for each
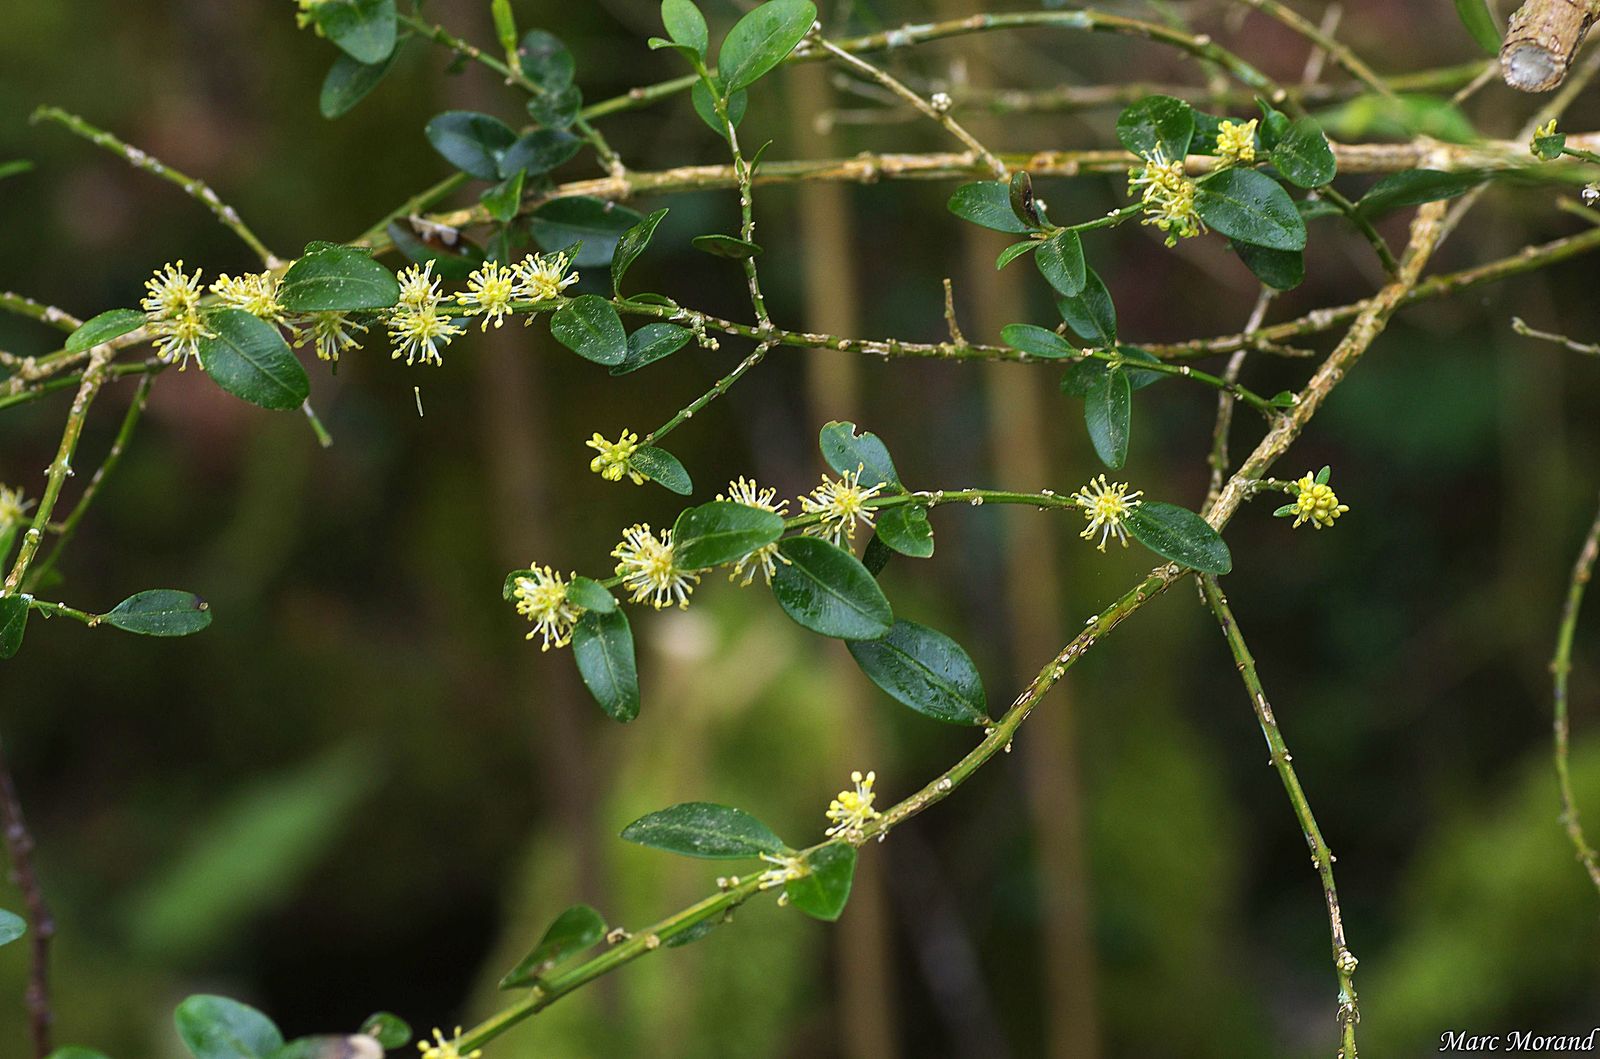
(362, 789)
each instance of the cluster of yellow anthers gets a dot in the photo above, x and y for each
(1107, 506)
(439, 1048)
(784, 869)
(172, 305)
(841, 503)
(493, 288)
(1167, 196)
(12, 508)
(1547, 129)
(648, 570)
(1316, 503)
(746, 491)
(416, 327)
(612, 463)
(1236, 142)
(541, 597)
(852, 810)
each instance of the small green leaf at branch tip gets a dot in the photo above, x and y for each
(12, 927)
(686, 25)
(1014, 251)
(721, 532)
(248, 358)
(706, 830)
(390, 1031)
(826, 589)
(1037, 341)
(718, 245)
(986, 203)
(1108, 415)
(589, 594)
(365, 30)
(1323, 475)
(1250, 207)
(97, 330)
(1475, 15)
(1286, 511)
(905, 529)
(762, 39)
(338, 279)
(823, 891)
(848, 452)
(591, 328)
(578, 928)
(1180, 535)
(214, 1027)
(661, 467)
(13, 621)
(1157, 123)
(349, 81)
(926, 670)
(1303, 155)
(160, 612)
(705, 107)
(631, 244)
(502, 200)
(602, 645)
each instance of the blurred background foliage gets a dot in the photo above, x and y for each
(362, 789)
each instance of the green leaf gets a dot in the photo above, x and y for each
(1250, 207)
(1278, 269)
(1178, 534)
(13, 620)
(706, 108)
(1476, 17)
(1060, 261)
(214, 1027)
(1285, 511)
(249, 359)
(721, 532)
(926, 670)
(349, 81)
(906, 530)
(632, 244)
(113, 323)
(365, 30)
(986, 203)
(1037, 341)
(718, 245)
(661, 467)
(847, 451)
(597, 224)
(686, 25)
(1303, 155)
(557, 108)
(1014, 251)
(1108, 413)
(590, 594)
(591, 328)
(1414, 187)
(574, 930)
(1375, 117)
(338, 279)
(161, 612)
(1090, 313)
(539, 152)
(1274, 124)
(1080, 379)
(1157, 122)
(12, 927)
(602, 645)
(546, 60)
(1549, 148)
(705, 829)
(827, 590)
(390, 1031)
(762, 39)
(650, 343)
(824, 889)
(503, 199)
(474, 143)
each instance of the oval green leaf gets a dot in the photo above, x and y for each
(13, 621)
(926, 670)
(848, 452)
(214, 1027)
(474, 143)
(1037, 341)
(1278, 269)
(12, 927)
(825, 888)
(349, 81)
(1090, 313)
(365, 30)
(718, 245)
(721, 532)
(590, 594)
(1157, 122)
(160, 612)
(686, 25)
(631, 245)
(1303, 155)
(389, 1030)
(1060, 261)
(762, 39)
(1250, 207)
(338, 279)
(97, 330)
(602, 645)
(661, 467)
(591, 328)
(574, 930)
(650, 343)
(827, 590)
(986, 203)
(1179, 534)
(705, 829)
(906, 530)
(248, 358)
(1108, 413)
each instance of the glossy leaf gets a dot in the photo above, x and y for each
(1108, 413)
(762, 39)
(926, 670)
(705, 829)
(590, 594)
(686, 25)
(574, 930)
(556, 108)
(825, 888)
(248, 358)
(602, 645)
(365, 30)
(1475, 15)
(390, 1031)
(474, 143)
(97, 330)
(1060, 261)
(1037, 341)
(161, 612)
(1414, 187)
(906, 530)
(503, 200)
(1090, 313)
(1081, 378)
(718, 245)
(1278, 269)
(847, 451)
(338, 279)
(349, 81)
(597, 224)
(1303, 155)
(1023, 205)
(738, 102)
(13, 620)
(661, 467)
(1179, 534)
(1157, 122)
(631, 244)
(591, 328)
(721, 532)
(1250, 207)
(650, 343)
(986, 203)
(826, 589)
(539, 152)
(214, 1027)
(546, 60)
(1014, 251)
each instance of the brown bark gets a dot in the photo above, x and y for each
(1541, 40)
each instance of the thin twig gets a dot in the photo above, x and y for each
(1561, 670)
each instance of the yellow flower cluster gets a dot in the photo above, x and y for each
(1236, 142)
(1167, 196)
